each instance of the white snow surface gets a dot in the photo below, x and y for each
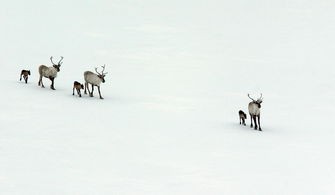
(179, 71)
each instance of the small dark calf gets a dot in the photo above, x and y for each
(25, 74)
(77, 86)
(242, 116)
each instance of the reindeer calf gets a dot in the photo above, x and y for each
(77, 86)
(25, 74)
(242, 116)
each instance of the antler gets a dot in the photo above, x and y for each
(103, 69)
(250, 97)
(60, 61)
(52, 61)
(261, 97)
(96, 70)
(102, 72)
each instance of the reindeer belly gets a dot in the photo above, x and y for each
(253, 109)
(96, 81)
(50, 72)
(92, 78)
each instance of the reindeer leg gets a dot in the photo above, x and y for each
(251, 121)
(21, 77)
(85, 88)
(240, 120)
(100, 93)
(73, 91)
(26, 79)
(88, 89)
(91, 94)
(254, 117)
(40, 82)
(52, 83)
(259, 124)
(78, 91)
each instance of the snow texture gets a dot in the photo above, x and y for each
(178, 73)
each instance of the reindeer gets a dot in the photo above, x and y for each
(49, 72)
(242, 116)
(77, 86)
(254, 111)
(25, 74)
(94, 80)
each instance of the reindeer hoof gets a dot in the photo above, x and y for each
(101, 98)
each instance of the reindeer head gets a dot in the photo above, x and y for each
(81, 86)
(28, 72)
(258, 101)
(57, 66)
(102, 74)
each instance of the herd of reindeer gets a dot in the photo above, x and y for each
(95, 79)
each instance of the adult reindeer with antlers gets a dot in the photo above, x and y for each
(94, 80)
(254, 111)
(49, 72)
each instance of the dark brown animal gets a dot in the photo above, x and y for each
(77, 86)
(25, 74)
(242, 116)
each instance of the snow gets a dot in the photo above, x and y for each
(178, 72)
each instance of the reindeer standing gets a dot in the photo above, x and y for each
(94, 80)
(49, 72)
(254, 111)
(25, 74)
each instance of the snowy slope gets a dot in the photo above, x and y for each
(179, 71)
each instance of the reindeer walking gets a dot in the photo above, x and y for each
(94, 80)
(49, 72)
(77, 86)
(25, 74)
(254, 111)
(242, 116)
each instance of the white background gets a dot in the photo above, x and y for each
(178, 72)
